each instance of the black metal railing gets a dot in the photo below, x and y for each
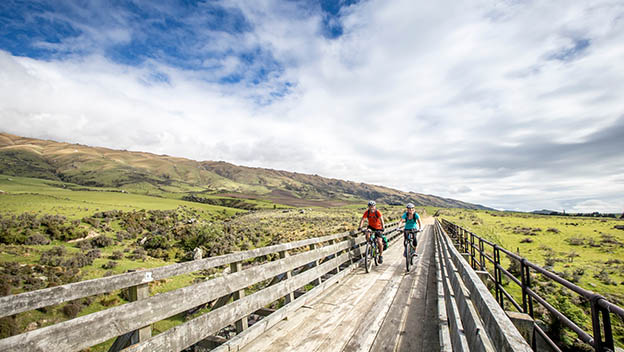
(601, 308)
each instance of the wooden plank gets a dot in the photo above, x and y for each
(27, 301)
(187, 334)
(364, 336)
(443, 323)
(98, 327)
(239, 341)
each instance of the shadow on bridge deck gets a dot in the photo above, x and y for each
(385, 310)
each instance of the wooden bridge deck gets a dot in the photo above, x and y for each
(385, 310)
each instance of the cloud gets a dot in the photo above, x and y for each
(515, 105)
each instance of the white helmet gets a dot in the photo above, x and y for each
(371, 203)
(409, 205)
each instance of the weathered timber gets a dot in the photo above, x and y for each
(456, 329)
(195, 330)
(27, 301)
(290, 296)
(501, 331)
(98, 327)
(243, 323)
(135, 293)
(443, 323)
(239, 341)
(476, 335)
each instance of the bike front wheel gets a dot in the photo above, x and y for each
(368, 257)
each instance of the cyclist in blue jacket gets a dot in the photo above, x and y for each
(412, 222)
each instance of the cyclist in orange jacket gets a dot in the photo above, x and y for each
(376, 225)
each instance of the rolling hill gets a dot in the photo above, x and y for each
(153, 174)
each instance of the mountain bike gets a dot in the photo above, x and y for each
(371, 254)
(410, 249)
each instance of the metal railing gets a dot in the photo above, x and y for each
(601, 308)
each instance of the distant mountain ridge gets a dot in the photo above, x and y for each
(150, 173)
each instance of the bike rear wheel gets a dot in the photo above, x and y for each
(368, 257)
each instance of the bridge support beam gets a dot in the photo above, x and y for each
(524, 323)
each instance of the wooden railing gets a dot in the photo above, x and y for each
(316, 262)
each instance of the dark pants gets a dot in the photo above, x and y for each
(405, 234)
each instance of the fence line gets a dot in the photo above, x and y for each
(474, 248)
(130, 322)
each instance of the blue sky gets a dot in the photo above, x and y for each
(515, 105)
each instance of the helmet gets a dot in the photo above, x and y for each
(409, 205)
(371, 203)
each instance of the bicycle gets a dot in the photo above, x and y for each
(371, 254)
(410, 249)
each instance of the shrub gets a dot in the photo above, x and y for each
(111, 264)
(72, 309)
(78, 261)
(553, 230)
(94, 254)
(101, 241)
(53, 257)
(137, 254)
(117, 255)
(156, 242)
(37, 239)
(526, 240)
(8, 327)
(575, 241)
(84, 245)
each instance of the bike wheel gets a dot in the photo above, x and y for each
(376, 255)
(412, 254)
(368, 258)
(408, 258)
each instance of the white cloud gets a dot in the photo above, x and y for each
(455, 99)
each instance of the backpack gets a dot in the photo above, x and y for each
(407, 215)
(377, 213)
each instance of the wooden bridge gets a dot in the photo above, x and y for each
(327, 303)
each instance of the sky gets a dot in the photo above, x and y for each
(516, 105)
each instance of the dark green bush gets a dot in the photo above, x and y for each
(101, 241)
(37, 239)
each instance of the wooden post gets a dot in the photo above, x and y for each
(316, 282)
(240, 324)
(135, 293)
(289, 297)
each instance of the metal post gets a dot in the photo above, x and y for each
(472, 251)
(601, 344)
(482, 256)
(606, 323)
(498, 277)
(523, 268)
